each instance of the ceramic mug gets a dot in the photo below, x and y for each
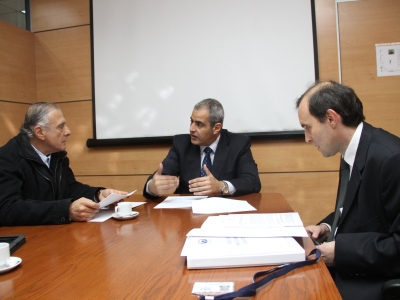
(123, 209)
(4, 254)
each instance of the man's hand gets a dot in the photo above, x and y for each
(318, 232)
(327, 253)
(205, 186)
(83, 209)
(163, 184)
(105, 193)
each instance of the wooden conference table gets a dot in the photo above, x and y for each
(140, 259)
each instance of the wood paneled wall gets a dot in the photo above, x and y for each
(61, 49)
(17, 78)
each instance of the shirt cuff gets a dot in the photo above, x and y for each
(231, 188)
(147, 189)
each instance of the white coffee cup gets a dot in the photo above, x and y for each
(123, 209)
(4, 254)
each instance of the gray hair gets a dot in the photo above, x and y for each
(37, 114)
(215, 108)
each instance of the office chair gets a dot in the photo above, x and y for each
(391, 290)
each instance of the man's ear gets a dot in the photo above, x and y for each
(39, 132)
(217, 128)
(332, 117)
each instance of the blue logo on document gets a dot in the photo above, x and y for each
(202, 241)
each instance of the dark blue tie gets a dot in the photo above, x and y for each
(344, 180)
(206, 161)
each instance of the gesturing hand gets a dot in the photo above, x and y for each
(205, 186)
(163, 184)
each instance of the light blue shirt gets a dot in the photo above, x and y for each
(46, 159)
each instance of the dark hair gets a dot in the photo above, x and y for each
(332, 95)
(37, 114)
(215, 108)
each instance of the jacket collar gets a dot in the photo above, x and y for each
(26, 150)
(220, 157)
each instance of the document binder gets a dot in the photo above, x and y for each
(208, 253)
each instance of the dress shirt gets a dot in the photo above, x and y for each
(46, 159)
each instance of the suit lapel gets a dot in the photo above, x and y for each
(358, 167)
(193, 161)
(221, 155)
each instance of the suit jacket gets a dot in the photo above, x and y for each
(233, 161)
(367, 249)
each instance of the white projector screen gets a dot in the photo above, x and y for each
(153, 60)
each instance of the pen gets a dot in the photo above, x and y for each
(314, 241)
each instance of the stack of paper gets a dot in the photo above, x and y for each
(204, 205)
(240, 240)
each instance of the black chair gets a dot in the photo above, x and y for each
(391, 290)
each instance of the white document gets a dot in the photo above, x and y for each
(215, 205)
(205, 252)
(105, 213)
(212, 288)
(254, 220)
(249, 232)
(388, 59)
(114, 198)
(179, 201)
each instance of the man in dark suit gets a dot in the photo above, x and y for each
(365, 247)
(232, 170)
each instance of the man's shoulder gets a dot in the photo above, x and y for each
(234, 137)
(383, 137)
(11, 145)
(379, 133)
(182, 138)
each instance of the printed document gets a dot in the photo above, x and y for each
(179, 201)
(217, 205)
(252, 225)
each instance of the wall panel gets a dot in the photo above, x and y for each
(63, 64)
(17, 64)
(362, 25)
(11, 118)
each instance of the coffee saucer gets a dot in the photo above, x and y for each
(13, 263)
(134, 214)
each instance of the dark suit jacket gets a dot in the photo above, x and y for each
(233, 162)
(33, 194)
(367, 250)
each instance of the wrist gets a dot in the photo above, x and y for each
(224, 188)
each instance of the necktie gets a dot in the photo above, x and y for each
(344, 180)
(206, 161)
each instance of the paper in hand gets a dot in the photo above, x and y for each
(113, 198)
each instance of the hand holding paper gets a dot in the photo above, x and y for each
(113, 198)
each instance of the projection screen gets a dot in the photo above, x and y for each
(154, 60)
